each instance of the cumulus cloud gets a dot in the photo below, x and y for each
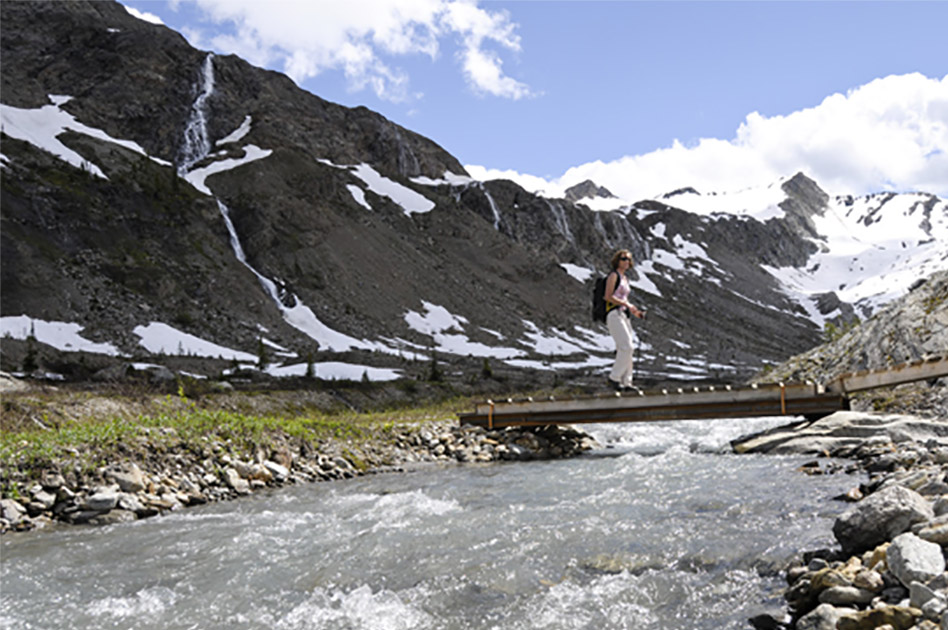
(889, 134)
(360, 37)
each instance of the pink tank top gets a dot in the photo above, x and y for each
(622, 291)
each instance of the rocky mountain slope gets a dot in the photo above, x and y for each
(906, 329)
(161, 204)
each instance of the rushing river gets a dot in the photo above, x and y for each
(663, 529)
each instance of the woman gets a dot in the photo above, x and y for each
(617, 309)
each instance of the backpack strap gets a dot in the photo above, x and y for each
(609, 305)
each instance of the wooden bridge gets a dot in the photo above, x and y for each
(810, 400)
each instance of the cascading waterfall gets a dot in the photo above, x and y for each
(562, 222)
(269, 285)
(196, 147)
(196, 144)
(493, 206)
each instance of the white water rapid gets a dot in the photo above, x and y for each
(666, 530)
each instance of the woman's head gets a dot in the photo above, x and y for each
(621, 256)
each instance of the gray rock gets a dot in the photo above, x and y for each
(941, 505)
(912, 559)
(102, 501)
(53, 481)
(12, 510)
(869, 580)
(130, 479)
(934, 608)
(823, 617)
(846, 595)
(45, 499)
(937, 534)
(280, 473)
(880, 517)
(920, 594)
(843, 429)
(233, 479)
(112, 517)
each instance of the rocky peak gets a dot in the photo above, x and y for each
(587, 189)
(804, 200)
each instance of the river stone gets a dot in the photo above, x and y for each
(937, 534)
(130, 479)
(113, 516)
(233, 479)
(53, 481)
(278, 471)
(912, 559)
(846, 595)
(12, 510)
(823, 617)
(920, 594)
(102, 501)
(828, 578)
(880, 517)
(941, 505)
(45, 499)
(899, 617)
(869, 580)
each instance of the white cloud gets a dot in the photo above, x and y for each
(890, 134)
(307, 38)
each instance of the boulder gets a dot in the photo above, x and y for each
(103, 500)
(899, 617)
(936, 533)
(233, 479)
(846, 595)
(823, 617)
(279, 472)
(11, 510)
(129, 479)
(880, 517)
(912, 559)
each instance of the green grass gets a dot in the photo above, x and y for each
(89, 442)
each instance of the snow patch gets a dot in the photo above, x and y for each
(582, 274)
(237, 134)
(160, 338)
(410, 201)
(197, 177)
(63, 336)
(42, 128)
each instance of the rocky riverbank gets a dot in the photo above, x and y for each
(889, 569)
(176, 474)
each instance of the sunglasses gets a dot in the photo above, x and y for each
(624, 258)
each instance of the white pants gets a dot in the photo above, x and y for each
(621, 329)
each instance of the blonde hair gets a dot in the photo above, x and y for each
(619, 254)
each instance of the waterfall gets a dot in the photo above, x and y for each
(268, 285)
(597, 222)
(196, 144)
(562, 222)
(493, 206)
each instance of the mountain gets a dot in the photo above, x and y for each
(587, 189)
(164, 205)
(906, 329)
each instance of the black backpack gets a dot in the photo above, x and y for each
(599, 301)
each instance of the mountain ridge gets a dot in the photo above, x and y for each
(322, 231)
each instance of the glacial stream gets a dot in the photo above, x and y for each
(662, 529)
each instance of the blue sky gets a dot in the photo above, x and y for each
(642, 97)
